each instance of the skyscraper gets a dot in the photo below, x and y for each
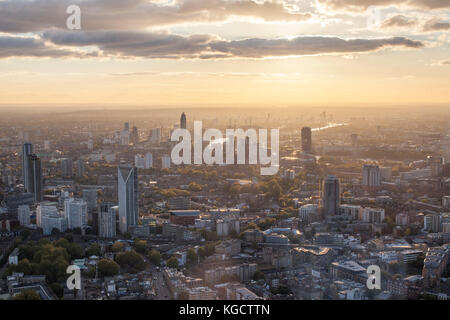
(331, 196)
(27, 150)
(156, 135)
(371, 177)
(139, 161)
(107, 220)
(75, 211)
(166, 161)
(45, 209)
(90, 196)
(128, 197)
(23, 214)
(183, 121)
(306, 140)
(67, 167)
(148, 161)
(134, 137)
(80, 168)
(35, 177)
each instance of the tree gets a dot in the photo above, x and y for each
(69, 237)
(274, 189)
(172, 263)
(127, 235)
(75, 251)
(130, 260)
(57, 289)
(209, 235)
(140, 246)
(93, 250)
(258, 276)
(202, 252)
(155, 257)
(193, 186)
(25, 234)
(266, 223)
(192, 257)
(107, 268)
(44, 257)
(282, 289)
(28, 295)
(117, 246)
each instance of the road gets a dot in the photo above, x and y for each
(162, 292)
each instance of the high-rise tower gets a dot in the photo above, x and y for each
(128, 197)
(331, 196)
(35, 177)
(306, 140)
(371, 177)
(27, 150)
(183, 121)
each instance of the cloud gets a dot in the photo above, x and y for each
(31, 47)
(23, 16)
(436, 25)
(260, 48)
(362, 5)
(398, 21)
(135, 44)
(442, 63)
(168, 46)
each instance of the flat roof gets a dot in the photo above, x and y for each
(185, 212)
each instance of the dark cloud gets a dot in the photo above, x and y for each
(31, 47)
(168, 46)
(398, 21)
(361, 5)
(259, 48)
(436, 25)
(26, 16)
(134, 44)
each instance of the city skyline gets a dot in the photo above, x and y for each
(359, 207)
(253, 155)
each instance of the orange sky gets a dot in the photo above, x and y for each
(272, 52)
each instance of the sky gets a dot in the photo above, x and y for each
(237, 52)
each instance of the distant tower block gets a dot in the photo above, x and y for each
(47, 145)
(183, 121)
(35, 175)
(331, 196)
(27, 150)
(306, 140)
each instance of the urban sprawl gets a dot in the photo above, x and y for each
(355, 188)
